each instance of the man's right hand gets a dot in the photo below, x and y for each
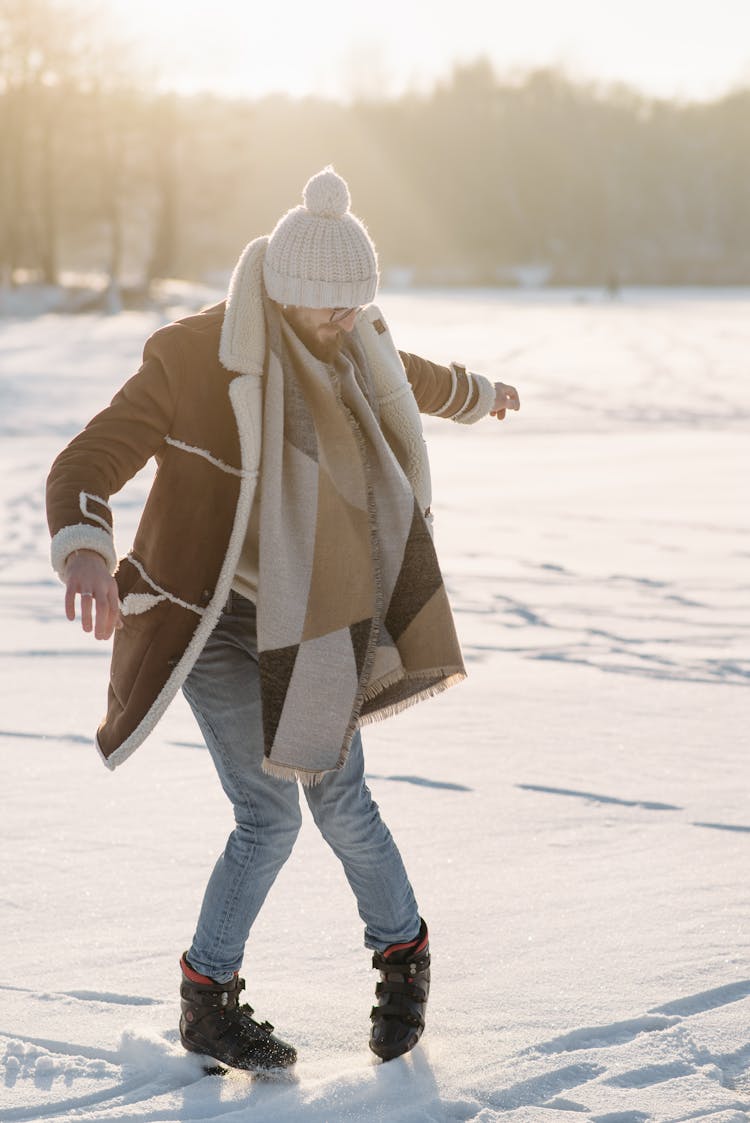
(87, 576)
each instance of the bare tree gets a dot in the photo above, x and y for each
(38, 52)
(164, 161)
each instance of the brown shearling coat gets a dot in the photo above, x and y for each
(180, 400)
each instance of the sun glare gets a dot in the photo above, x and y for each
(339, 49)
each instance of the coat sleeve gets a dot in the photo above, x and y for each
(112, 448)
(451, 392)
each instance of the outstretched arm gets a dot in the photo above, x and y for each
(455, 393)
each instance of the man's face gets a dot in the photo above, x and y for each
(313, 325)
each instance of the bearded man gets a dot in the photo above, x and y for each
(283, 576)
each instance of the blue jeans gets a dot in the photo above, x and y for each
(223, 691)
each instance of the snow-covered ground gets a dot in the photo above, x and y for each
(575, 817)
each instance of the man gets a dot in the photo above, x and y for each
(283, 575)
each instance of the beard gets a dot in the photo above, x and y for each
(321, 342)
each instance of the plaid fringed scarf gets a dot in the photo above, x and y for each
(354, 622)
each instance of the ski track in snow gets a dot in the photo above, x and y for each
(607, 560)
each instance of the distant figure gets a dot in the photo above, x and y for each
(283, 575)
(613, 285)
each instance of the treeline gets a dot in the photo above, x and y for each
(483, 180)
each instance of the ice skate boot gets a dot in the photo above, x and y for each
(214, 1023)
(398, 1018)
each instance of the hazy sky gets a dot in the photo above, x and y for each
(685, 48)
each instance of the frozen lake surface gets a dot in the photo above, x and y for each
(574, 817)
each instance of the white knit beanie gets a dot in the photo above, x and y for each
(320, 255)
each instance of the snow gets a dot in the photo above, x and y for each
(574, 817)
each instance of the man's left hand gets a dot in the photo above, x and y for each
(506, 397)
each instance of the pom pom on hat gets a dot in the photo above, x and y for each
(320, 255)
(327, 195)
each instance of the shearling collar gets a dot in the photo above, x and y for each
(243, 333)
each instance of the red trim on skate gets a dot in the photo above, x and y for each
(417, 945)
(195, 976)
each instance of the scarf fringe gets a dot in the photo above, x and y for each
(309, 779)
(453, 677)
(291, 774)
(371, 692)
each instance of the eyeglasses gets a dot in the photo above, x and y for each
(339, 314)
